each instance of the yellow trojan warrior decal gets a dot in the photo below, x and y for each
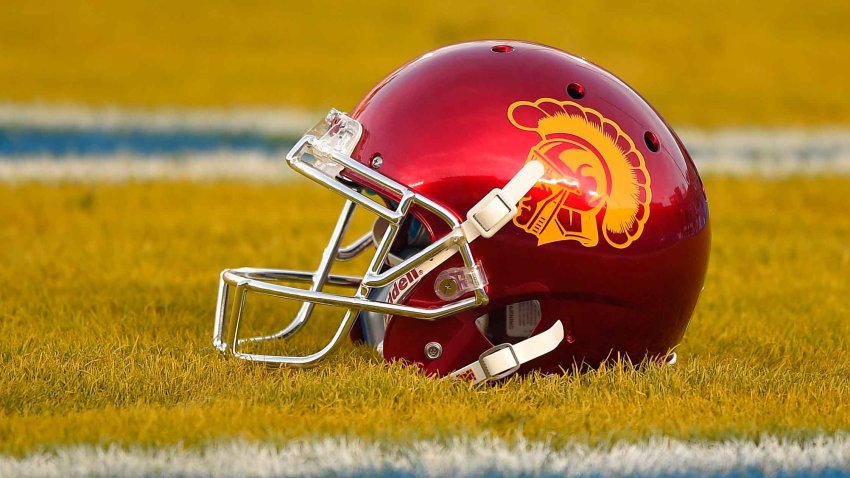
(595, 179)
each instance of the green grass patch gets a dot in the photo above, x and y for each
(699, 62)
(109, 290)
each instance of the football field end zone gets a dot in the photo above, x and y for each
(483, 456)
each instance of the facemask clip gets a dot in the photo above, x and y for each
(456, 281)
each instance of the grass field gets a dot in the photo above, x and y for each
(108, 296)
(109, 287)
(704, 63)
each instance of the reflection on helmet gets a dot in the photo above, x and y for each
(593, 168)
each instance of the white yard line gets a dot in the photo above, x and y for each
(760, 152)
(275, 121)
(264, 167)
(779, 152)
(240, 166)
(459, 457)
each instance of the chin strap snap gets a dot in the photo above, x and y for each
(488, 216)
(505, 359)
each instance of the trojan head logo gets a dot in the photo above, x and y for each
(595, 178)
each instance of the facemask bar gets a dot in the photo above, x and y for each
(321, 155)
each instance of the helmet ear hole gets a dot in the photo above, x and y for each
(511, 323)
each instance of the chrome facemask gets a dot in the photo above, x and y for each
(321, 155)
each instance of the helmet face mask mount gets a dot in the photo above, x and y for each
(518, 228)
(321, 157)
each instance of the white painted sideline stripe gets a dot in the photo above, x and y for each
(458, 457)
(762, 152)
(293, 122)
(241, 166)
(276, 121)
(777, 152)
(262, 167)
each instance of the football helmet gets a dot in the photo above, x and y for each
(533, 213)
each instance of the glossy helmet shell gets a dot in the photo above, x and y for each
(621, 258)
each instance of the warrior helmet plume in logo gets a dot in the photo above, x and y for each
(595, 176)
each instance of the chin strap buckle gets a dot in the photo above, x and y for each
(497, 365)
(499, 206)
(491, 213)
(504, 360)
(485, 219)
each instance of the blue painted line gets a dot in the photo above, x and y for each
(36, 142)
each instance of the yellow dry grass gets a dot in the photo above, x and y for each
(108, 294)
(700, 62)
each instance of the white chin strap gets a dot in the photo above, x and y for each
(491, 213)
(485, 219)
(505, 359)
(498, 207)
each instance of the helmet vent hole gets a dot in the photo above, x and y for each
(502, 49)
(651, 141)
(575, 90)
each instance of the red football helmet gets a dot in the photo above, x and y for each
(536, 213)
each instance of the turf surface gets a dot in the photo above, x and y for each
(700, 62)
(108, 295)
